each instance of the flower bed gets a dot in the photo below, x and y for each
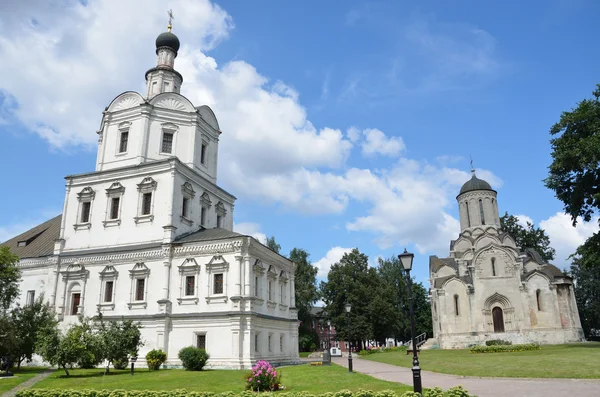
(374, 350)
(264, 378)
(457, 391)
(505, 348)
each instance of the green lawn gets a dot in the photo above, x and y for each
(580, 360)
(21, 376)
(305, 354)
(294, 378)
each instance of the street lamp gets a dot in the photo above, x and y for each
(133, 360)
(348, 307)
(328, 336)
(406, 258)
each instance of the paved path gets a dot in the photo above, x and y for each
(27, 383)
(481, 387)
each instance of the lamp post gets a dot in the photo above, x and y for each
(328, 336)
(406, 258)
(348, 307)
(133, 360)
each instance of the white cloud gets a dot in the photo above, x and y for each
(376, 142)
(250, 229)
(331, 257)
(565, 238)
(523, 219)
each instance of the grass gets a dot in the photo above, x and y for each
(305, 354)
(295, 378)
(25, 373)
(580, 360)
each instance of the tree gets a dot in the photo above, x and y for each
(28, 321)
(10, 275)
(272, 244)
(573, 174)
(120, 340)
(305, 281)
(587, 294)
(58, 349)
(528, 237)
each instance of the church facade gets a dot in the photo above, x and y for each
(487, 289)
(149, 236)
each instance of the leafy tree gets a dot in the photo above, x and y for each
(9, 278)
(8, 341)
(587, 291)
(59, 349)
(28, 321)
(351, 281)
(305, 280)
(272, 244)
(528, 237)
(422, 310)
(120, 340)
(573, 174)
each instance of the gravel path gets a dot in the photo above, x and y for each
(481, 387)
(27, 383)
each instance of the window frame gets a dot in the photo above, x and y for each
(189, 268)
(205, 204)
(123, 143)
(221, 213)
(203, 153)
(217, 265)
(85, 199)
(146, 186)
(115, 191)
(30, 298)
(138, 272)
(456, 305)
(167, 132)
(187, 193)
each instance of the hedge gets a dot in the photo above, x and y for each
(505, 348)
(457, 391)
(375, 350)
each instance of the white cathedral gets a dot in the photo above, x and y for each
(148, 236)
(487, 289)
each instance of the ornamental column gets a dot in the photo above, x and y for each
(247, 276)
(238, 280)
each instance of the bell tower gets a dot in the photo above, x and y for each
(477, 204)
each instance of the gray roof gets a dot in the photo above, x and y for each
(207, 235)
(475, 184)
(438, 282)
(317, 311)
(36, 242)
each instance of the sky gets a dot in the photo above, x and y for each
(344, 123)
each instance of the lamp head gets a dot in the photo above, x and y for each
(348, 307)
(406, 258)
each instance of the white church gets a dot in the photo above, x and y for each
(149, 236)
(487, 289)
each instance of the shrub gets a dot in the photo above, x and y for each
(193, 358)
(263, 378)
(495, 342)
(155, 358)
(120, 363)
(504, 348)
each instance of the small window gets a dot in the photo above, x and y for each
(85, 211)
(139, 290)
(146, 203)
(281, 293)
(219, 220)
(203, 216)
(203, 154)
(270, 343)
(75, 298)
(468, 213)
(256, 286)
(114, 207)
(218, 287)
(256, 343)
(30, 298)
(167, 142)
(481, 212)
(190, 285)
(281, 343)
(456, 311)
(166, 86)
(201, 341)
(270, 290)
(184, 207)
(123, 141)
(108, 291)
(494, 267)
(538, 298)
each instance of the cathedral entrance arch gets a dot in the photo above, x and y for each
(498, 319)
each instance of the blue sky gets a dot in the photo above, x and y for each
(345, 123)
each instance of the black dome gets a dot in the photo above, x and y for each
(475, 184)
(167, 39)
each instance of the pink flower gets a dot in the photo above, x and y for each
(250, 379)
(258, 381)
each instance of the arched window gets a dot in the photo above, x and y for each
(538, 298)
(468, 214)
(494, 267)
(481, 212)
(456, 311)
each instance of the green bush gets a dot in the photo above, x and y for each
(155, 358)
(374, 350)
(120, 363)
(193, 358)
(495, 342)
(457, 391)
(505, 348)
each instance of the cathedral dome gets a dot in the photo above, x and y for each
(475, 184)
(167, 39)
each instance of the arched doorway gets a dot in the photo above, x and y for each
(498, 318)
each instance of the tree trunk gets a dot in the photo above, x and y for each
(66, 370)
(19, 363)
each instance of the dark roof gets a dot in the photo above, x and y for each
(207, 235)
(475, 184)
(36, 242)
(317, 311)
(167, 39)
(438, 282)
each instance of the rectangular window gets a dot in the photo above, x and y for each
(202, 216)
(184, 207)
(281, 293)
(256, 286)
(85, 211)
(123, 142)
(108, 291)
(139, 290)
(114, 207)
(281, 343)
(270, 291)
(146, 203)
(270, 343)
(203, 154)
(256, 342)
(75, 303)
(218, 287)
(190, 285)
(167, 142)
(219, 220)
(201, 341)
(30, 298)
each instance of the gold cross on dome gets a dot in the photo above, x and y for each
(171, 17)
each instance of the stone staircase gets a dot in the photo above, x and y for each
(419, 340)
